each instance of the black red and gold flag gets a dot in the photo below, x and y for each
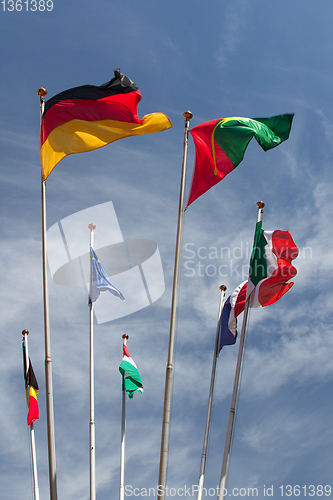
(85, 118)
(32, 389)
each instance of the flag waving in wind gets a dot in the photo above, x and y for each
(88, 117)
(32, 389)
(270, 266)
(131, 377)
(220, 146)
(233, 307)
(270, 272)
(100, 281)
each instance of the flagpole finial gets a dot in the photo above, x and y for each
(25, 332)
(42, 92)
(260, 204)
(223, 288)
(92, 227)
(188, 115)
(125, 336)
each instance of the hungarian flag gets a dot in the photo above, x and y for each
(220, 146)
(233, 307)
(32, 389)
(100, 281)
(131, 377)
(270, 266)
(85, 118)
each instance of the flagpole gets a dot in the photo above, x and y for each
(48, 364)
(222, 493)
(122, 442)
(32, 432)
(92, 439)
(168, 377)
(210, 398)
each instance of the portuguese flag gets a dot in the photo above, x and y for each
(270, 266)
(85, 118)
(131, 377)
(220, 146)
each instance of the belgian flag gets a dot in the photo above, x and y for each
(32, 389)
(85, 118)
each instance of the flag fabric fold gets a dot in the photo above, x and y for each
(32, 389)
(131, 377)
(270, 266)
(100, 281)
(85, 118)
(233, 307)
(220, 146)
(269, 275)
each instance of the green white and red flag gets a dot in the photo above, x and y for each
(220, 146)
(131, 377)
(270, 266)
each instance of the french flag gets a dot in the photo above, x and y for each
(233, 307)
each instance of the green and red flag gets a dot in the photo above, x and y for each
(220, 146)
(32, 389)
(131, 377)
(270, 266)
(85, 118)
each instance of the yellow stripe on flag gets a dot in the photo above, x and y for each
(78, 136)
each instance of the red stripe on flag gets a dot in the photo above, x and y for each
(206, 172)
(125, 351)
(33, 413)
(119, 107)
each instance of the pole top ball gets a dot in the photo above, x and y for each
(92, 227)
(42, 92)
(25, 332)
(125, 336)
(188, 115)
(260, 204)
(223, 288)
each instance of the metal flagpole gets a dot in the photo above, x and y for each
(225, 462)
(92, 227)
(122, 442)
(32, 432)
(48, 365)
(168, 377)
(210, 398)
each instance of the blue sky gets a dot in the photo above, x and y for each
(232, 58)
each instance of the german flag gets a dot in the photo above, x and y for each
(32, 389)
(85, 118)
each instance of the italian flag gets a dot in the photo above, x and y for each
(131, 377)
(270, 266)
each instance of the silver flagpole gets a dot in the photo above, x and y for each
(48, 365)
(210, 398)
(92, 227)
(32, 432)
(122, 442)
(168, 377)
(222, 493)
